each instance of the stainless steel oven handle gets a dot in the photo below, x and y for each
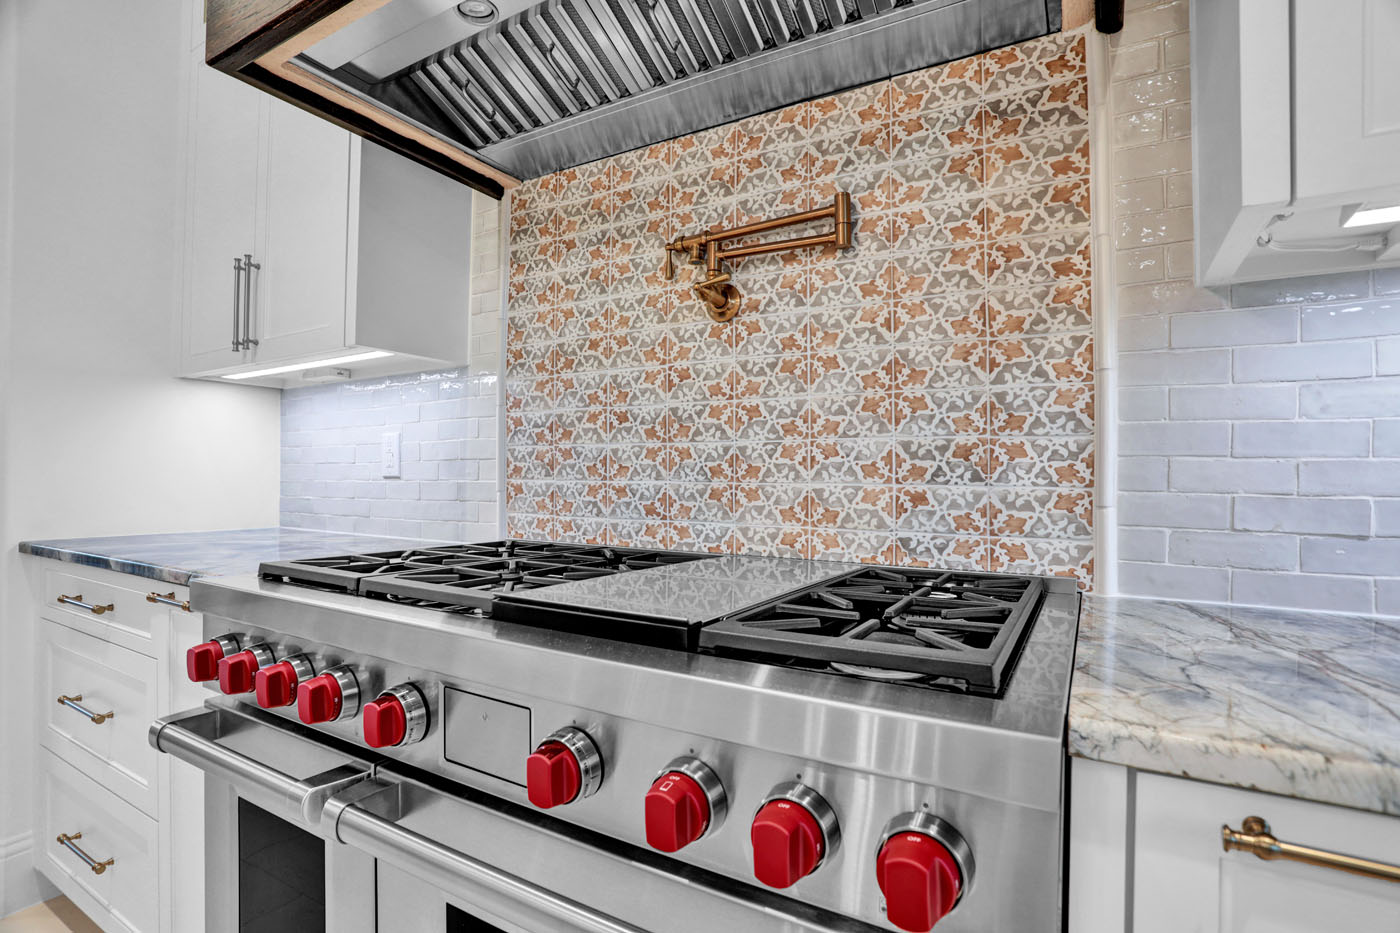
(447, 869)
(307, 797)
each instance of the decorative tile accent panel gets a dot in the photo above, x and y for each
(925, 397)
(449, 483)
(1257, 462)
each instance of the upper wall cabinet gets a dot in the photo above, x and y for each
(305, 245)
(1296, 110)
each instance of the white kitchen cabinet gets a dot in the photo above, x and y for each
(1295, 123)
(1150, 846)
(352, 248)
(115, 643)
(224, 143)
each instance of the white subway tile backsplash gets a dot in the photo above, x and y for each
(1273, 478)
(1166, 298)
(1143, 333)
(1169, 581)
(1152, 90)
(1134, 196)
(1230, 549)
(1174, 510)
(1155, 227)
(1143, 404)
(1388, 597)
(1354, 319)
(1302, 591)
(1387, 520)
(1318, 516)
(1355, 398)
(1235, 328)
(1373, 557)
(1194, 403)
(1174, 367)
(1349, 478)
(1190, 438)
(1301, 439)
(1387, 439)
(1302, 362)
(1202, 474)
(1388, 357)
(1302, 289)
(1142, 544)
(1142, 474)
(1164, 158)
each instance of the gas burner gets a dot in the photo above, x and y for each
(466, 575)
(894, 624)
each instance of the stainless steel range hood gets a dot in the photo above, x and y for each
(554, 84)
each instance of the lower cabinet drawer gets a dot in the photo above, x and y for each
(109, 863)
(111, 701)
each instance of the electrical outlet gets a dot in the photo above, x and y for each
(389, 454)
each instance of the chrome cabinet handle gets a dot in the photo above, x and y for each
(1255, 837)
(237, 286)
(248, 267)
(78, 601)
(72, 703)
(449, 869)
(168, 599)
(66, 840)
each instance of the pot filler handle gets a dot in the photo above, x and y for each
(352, 814)
(190, 736)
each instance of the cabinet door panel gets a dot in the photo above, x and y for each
(301, 286)
(1346, 82)
(1184, 881)
(223, 159)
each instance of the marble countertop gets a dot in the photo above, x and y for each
(1305, 704)
(176, 558)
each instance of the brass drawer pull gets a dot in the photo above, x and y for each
(66, 840)
(72, 703)
(1255, 837)
(168, 599)
(78, 601)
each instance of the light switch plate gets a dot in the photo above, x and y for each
(389, 454)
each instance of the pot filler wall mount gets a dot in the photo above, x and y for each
(554, 736)
(492, 91)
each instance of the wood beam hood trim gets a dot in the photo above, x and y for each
(256, 40)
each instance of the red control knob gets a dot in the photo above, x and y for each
(202, 661)
(276, 686)
(920, 878)
(319, 699)
(677, 812)
(386, 723)
(236, 672)
(788, 843)
(552, 775)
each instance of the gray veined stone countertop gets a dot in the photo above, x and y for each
(176, 558)
(1305, 704)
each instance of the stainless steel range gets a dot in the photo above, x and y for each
(535, 736)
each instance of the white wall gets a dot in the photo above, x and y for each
(98, 439)
(1259, 426)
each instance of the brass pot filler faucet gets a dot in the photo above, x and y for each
(721, 297)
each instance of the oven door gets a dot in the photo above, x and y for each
(269, 863)
(305, 834)
(456, 860)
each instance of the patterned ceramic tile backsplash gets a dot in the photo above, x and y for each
(925, 397)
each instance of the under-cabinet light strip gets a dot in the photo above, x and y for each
(297, 367)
